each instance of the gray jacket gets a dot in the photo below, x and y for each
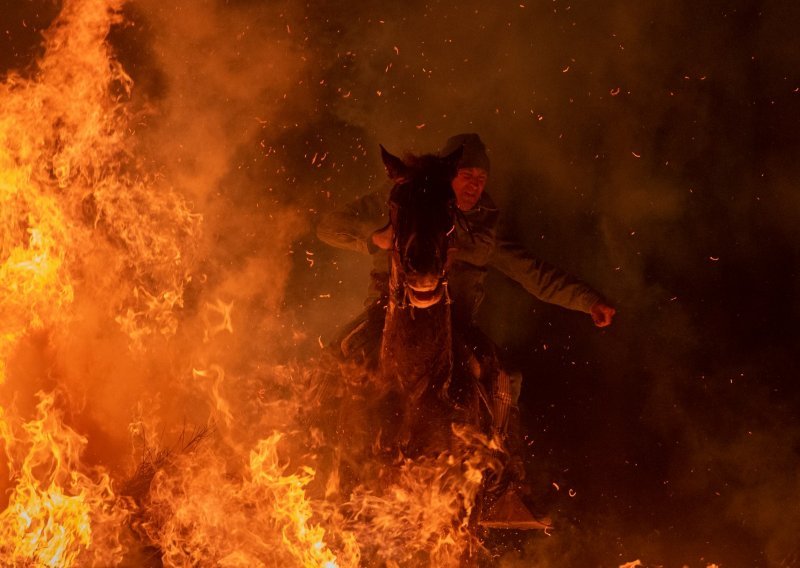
(352, 227)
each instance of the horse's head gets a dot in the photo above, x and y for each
(422, 211)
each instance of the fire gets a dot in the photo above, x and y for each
(73, 194)
(291, 508)
(77, 220)
(426, 509)
(88, 231)
(204, 511)
(266, 515)
(58, 508)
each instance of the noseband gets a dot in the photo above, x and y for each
(400, 290)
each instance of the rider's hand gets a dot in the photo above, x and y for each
(602, 313)
(383, 238)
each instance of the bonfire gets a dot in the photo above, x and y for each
(125, 437)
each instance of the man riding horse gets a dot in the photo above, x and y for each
(364, 225)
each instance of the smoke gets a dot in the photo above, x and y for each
(646, 149)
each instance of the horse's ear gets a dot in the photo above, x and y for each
(395, 167)
(452, 159)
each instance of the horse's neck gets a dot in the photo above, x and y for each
(417, 345)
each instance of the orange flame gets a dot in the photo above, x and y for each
(82, 220)
(201, 511)
(57, 509)
(77, 209)
(425, 512)
(78, 219)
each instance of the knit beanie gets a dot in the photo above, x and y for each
(474, 155)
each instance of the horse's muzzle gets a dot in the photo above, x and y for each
(424, 290)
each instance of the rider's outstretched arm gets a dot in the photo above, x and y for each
(352, 226)
(542, 279)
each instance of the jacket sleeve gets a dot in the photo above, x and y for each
(541, 279)
(352, 226)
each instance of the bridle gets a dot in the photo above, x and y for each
(399, 289)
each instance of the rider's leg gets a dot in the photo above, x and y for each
(509, 387)
(359, 342)
(505, 386)
(502, 386)
(508, 429)
(502, 400)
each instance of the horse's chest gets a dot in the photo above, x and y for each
(417, 345)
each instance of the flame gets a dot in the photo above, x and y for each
(57, 509)
(425, 511)
(228, 501)
(202, 512)
(83, 221)
(79, 218)
(78, 210)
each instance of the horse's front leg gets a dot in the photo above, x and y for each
(404, 435)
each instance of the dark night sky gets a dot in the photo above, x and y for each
(648, 147)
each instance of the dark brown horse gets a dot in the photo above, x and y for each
(427, 394)
(417, 404)
(431, 397)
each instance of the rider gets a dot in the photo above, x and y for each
(363, 225)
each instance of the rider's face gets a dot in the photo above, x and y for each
(468, 186)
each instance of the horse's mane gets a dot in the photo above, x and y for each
(421, 162)
(425, 168)
(427, 164)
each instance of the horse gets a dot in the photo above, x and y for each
(415, 400)
(437, 392)
(404, 386)
(416, 358)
